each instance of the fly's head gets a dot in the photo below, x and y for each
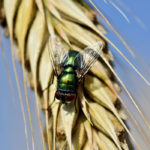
(65, 97)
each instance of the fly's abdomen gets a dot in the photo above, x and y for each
(67, 82)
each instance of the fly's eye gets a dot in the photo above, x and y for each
(70, 97)
(57, 95)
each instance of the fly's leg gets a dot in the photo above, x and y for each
(52, 103)
(46, 88)
(83, 83)
(49, 84)
(75, 104)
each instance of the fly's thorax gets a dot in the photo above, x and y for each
(67, 80)
(67, 84)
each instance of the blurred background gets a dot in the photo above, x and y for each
(131, 21)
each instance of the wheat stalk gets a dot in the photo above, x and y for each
(97, 123)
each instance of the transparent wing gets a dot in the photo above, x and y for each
(57, 53)
(89, 56)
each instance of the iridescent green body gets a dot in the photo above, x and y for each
(67, 80)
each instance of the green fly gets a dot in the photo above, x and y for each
(71, 66)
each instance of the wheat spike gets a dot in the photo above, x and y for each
(93, 122)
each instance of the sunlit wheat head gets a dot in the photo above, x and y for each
(97, 118)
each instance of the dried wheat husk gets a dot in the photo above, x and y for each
(93, 121)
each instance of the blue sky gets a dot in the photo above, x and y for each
(11, 122)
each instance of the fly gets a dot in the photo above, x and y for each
(71, 66)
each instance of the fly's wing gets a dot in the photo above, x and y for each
(57, 53)
(89, 56)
